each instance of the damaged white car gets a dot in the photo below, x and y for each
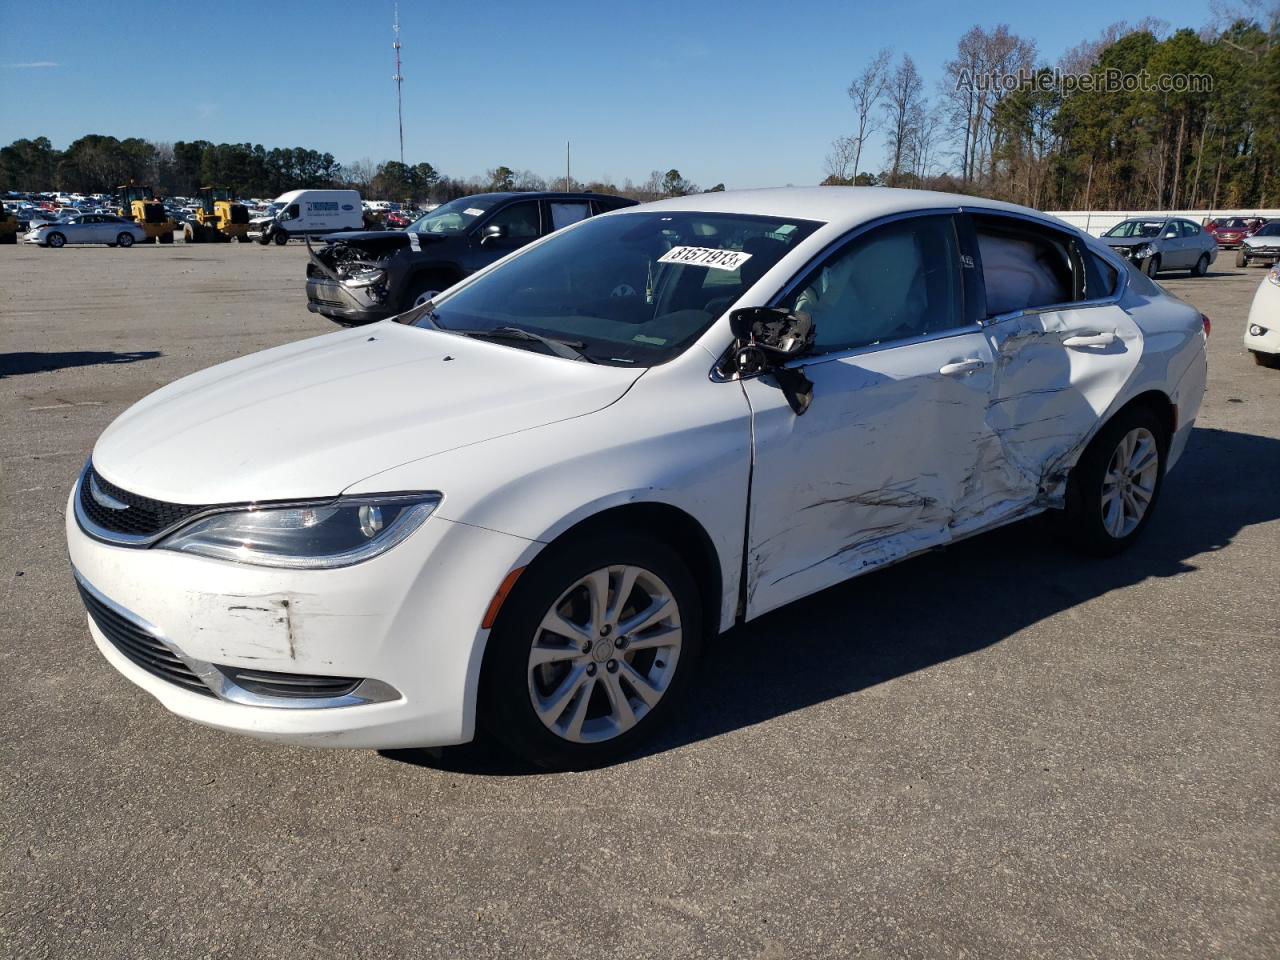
(531, 504)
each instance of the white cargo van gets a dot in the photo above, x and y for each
(302, 213)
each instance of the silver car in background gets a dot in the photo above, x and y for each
(87, 228)
(1156, 244)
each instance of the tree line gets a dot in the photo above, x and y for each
(98, 163)
(1088, 132)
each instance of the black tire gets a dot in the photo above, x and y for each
(55, 240)
(281, 238)
(506, 707)
(1082, 520)
(1241, 259)
(125, 239)
(424, 286)
(263, 239)
(1153, 266)
(1201, 267)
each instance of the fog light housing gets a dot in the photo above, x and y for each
(1256, 331)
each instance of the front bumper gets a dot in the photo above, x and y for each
(351, 305)
(408, 622)
(1262, 329)
(1267, 255)
(1267, 341)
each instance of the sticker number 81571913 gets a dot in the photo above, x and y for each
(706, 257)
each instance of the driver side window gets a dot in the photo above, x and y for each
(896, 281)
(520, 219)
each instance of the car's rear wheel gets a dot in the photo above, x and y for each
(125, 239)
(1114, 487)
(1153, 266)
(593, 650)
(1201, 267)
(55, 240)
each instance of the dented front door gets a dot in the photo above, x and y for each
(886, 461)
(1058, 372)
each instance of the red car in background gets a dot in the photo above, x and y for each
(1231, 231)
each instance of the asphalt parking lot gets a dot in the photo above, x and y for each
(997, 750)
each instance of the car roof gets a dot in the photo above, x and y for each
(546, 195)
(838, 206)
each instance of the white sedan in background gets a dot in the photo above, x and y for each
(531, 504)
(87, 228)
(1262, 332)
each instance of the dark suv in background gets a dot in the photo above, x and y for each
(370, 275)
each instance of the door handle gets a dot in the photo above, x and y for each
(962, 367)
(1090, 340)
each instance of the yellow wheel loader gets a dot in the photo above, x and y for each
(138, 202)
(219, 219)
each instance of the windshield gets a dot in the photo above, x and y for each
(454, 217)
(1136, 228)
(1270, 230)
(1233, 224)
(633, 288)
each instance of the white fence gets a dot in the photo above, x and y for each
(1098, 222)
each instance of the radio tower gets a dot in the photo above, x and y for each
(399, 80)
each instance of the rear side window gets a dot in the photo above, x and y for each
(1023, 267)
(565, 212)
(1100, 277)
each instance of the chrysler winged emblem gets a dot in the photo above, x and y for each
(103, 498)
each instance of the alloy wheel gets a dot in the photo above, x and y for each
(604, 654)
(1129, 483)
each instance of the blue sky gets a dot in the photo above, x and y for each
(749, 93)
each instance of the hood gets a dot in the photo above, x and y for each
(1265, 240)
(1127, 241)
(380, 240)
(311, 418)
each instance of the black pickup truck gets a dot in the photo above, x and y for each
(370, 275)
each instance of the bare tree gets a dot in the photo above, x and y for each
(903, 105)
(841, 161)
(866, 92)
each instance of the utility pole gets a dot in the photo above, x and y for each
(398, 79)
(568, 179)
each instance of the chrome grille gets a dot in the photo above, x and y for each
(139, 517)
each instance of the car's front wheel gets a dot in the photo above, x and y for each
(281, 238)
(55, 240)
(594, 648)
(1113, 489)
(1153, 266)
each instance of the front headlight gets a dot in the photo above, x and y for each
(1274, 274)
(316, 535)
(1143, 251)
(364, 277)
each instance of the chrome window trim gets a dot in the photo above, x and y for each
(222, 686)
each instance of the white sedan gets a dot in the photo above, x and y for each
(87, 228)
(1262, 332)
(531, 504)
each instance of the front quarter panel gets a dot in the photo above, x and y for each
(676, 438)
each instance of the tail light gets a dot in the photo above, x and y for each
(1208, 324)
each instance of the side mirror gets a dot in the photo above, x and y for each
(764, 339)
(494, 231)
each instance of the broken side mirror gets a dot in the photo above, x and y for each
(495, 231)
(764, 340)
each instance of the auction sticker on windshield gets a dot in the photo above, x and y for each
(706, 257)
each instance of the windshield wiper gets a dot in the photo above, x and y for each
(569, 349)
